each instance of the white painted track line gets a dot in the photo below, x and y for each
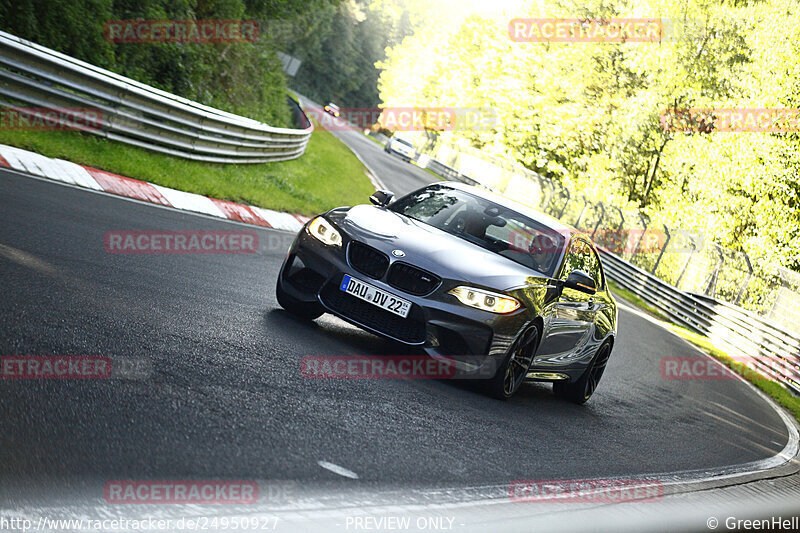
(336, 469)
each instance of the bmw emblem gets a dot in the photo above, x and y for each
(398, 253)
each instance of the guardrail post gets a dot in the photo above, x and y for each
(620, 249)
(711, 286)
(621, 218)
(644, 220)
(686, 265)
(566, 202)
(663, 249)
(583, 211)
(549, 197)
(746, 279)
(600, 220)
(542, 192)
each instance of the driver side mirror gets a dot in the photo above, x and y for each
(580, 281)
(381, 198)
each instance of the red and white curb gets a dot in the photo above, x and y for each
(100, 180)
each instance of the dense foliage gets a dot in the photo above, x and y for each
(242, 77)
(339, 51)
(338, 42)
(589, 114)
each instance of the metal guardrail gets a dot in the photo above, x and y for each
(140, 115)
(449, 172)
(762, 346)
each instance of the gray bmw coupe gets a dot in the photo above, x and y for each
(488, 284)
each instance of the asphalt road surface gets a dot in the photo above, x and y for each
(400, 177)
(222, 396)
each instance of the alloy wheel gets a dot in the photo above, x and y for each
(520, 360)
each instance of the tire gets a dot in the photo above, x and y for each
(304, 310)
(580, 390)
(511, 374)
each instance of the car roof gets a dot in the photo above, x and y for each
(530, 212)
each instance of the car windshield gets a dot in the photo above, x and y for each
(491, 226)
(404, 142)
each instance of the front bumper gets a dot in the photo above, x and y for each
(474, 340)
(406, 156)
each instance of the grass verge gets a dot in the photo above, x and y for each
(773, 389)
(326, 176)
(373, 139)
(634, 299)
(432, 173)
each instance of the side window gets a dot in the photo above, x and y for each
(575, 258)
(596, 270)
(581, 256)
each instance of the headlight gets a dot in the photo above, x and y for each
(488, 301)
(323, 231)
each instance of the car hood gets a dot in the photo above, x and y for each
(445, 255)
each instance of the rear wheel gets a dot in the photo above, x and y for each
(511, 374)
(581, 390)
(304, 310)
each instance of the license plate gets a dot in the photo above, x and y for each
(375, 296)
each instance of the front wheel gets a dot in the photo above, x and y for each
(304, 310)
(580, 390)
(512, 372)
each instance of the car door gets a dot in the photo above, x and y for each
(569, 320)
